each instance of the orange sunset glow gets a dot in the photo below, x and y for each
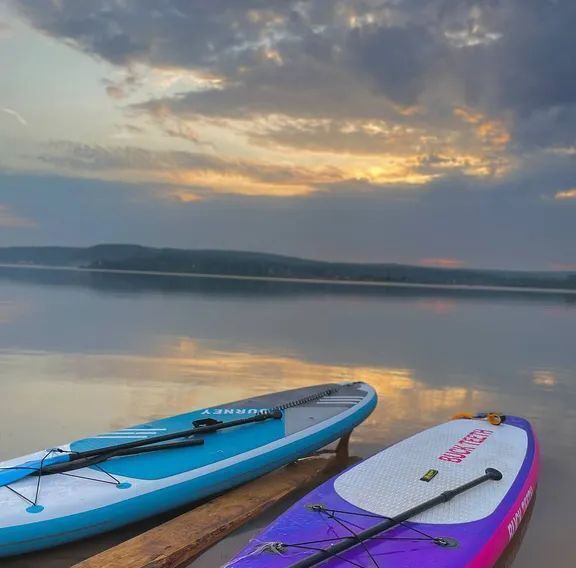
(219, 125)
(442, 262)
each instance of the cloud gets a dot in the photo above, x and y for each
(5, 30)
(127, 131)
(16, 115)
(397, 60)
(123, 86)
(183, 195)
(252, 177)
(449, 220)
(365, 61)
(566, 194)
(213, 174)
(262, 53)
(167, 33)
(491, 132)
(484, 50)
(424, 122)
(535, 69)
(171, 124)
(182, 130)
(426, 150)
(288, 74)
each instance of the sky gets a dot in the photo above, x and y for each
(435, 132)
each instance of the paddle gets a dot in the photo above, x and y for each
(61, 458)
(93, 460)
(349, 542)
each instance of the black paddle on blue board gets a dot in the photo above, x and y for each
(59, 461)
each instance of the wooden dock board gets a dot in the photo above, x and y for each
(178, 541)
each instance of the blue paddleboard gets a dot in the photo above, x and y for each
(83, 492)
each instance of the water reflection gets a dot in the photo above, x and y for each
(11, 311)
(187, 373)
(81, 354)
(130, 284)
(544, 378)
(437, 305)
(509, 557)
(128, 388)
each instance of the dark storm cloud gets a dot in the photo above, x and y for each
(536, 59)
(305, 59)
(272, 93)
(399, 61)
(342, 59)
(529, 62)
(529, 71)
(231, 38)
(185, 33)
(552, 127)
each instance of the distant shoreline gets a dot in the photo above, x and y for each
(471, 287)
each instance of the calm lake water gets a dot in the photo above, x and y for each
(85, 353)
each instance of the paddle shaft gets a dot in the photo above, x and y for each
(99, 458)
(173, 435)
(350, 542)
(63, 461)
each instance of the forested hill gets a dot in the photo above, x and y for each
(222, 262)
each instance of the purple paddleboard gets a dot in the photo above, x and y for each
(474, 480)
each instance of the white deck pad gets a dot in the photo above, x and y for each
(389, 482)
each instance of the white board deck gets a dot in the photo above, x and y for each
(389, 482)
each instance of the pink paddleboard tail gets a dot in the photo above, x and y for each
(511, 522)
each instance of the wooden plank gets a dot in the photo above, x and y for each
(177, 542)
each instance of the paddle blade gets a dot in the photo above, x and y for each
(11, 474)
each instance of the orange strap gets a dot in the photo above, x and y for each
(460, 415)
(493, 417)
